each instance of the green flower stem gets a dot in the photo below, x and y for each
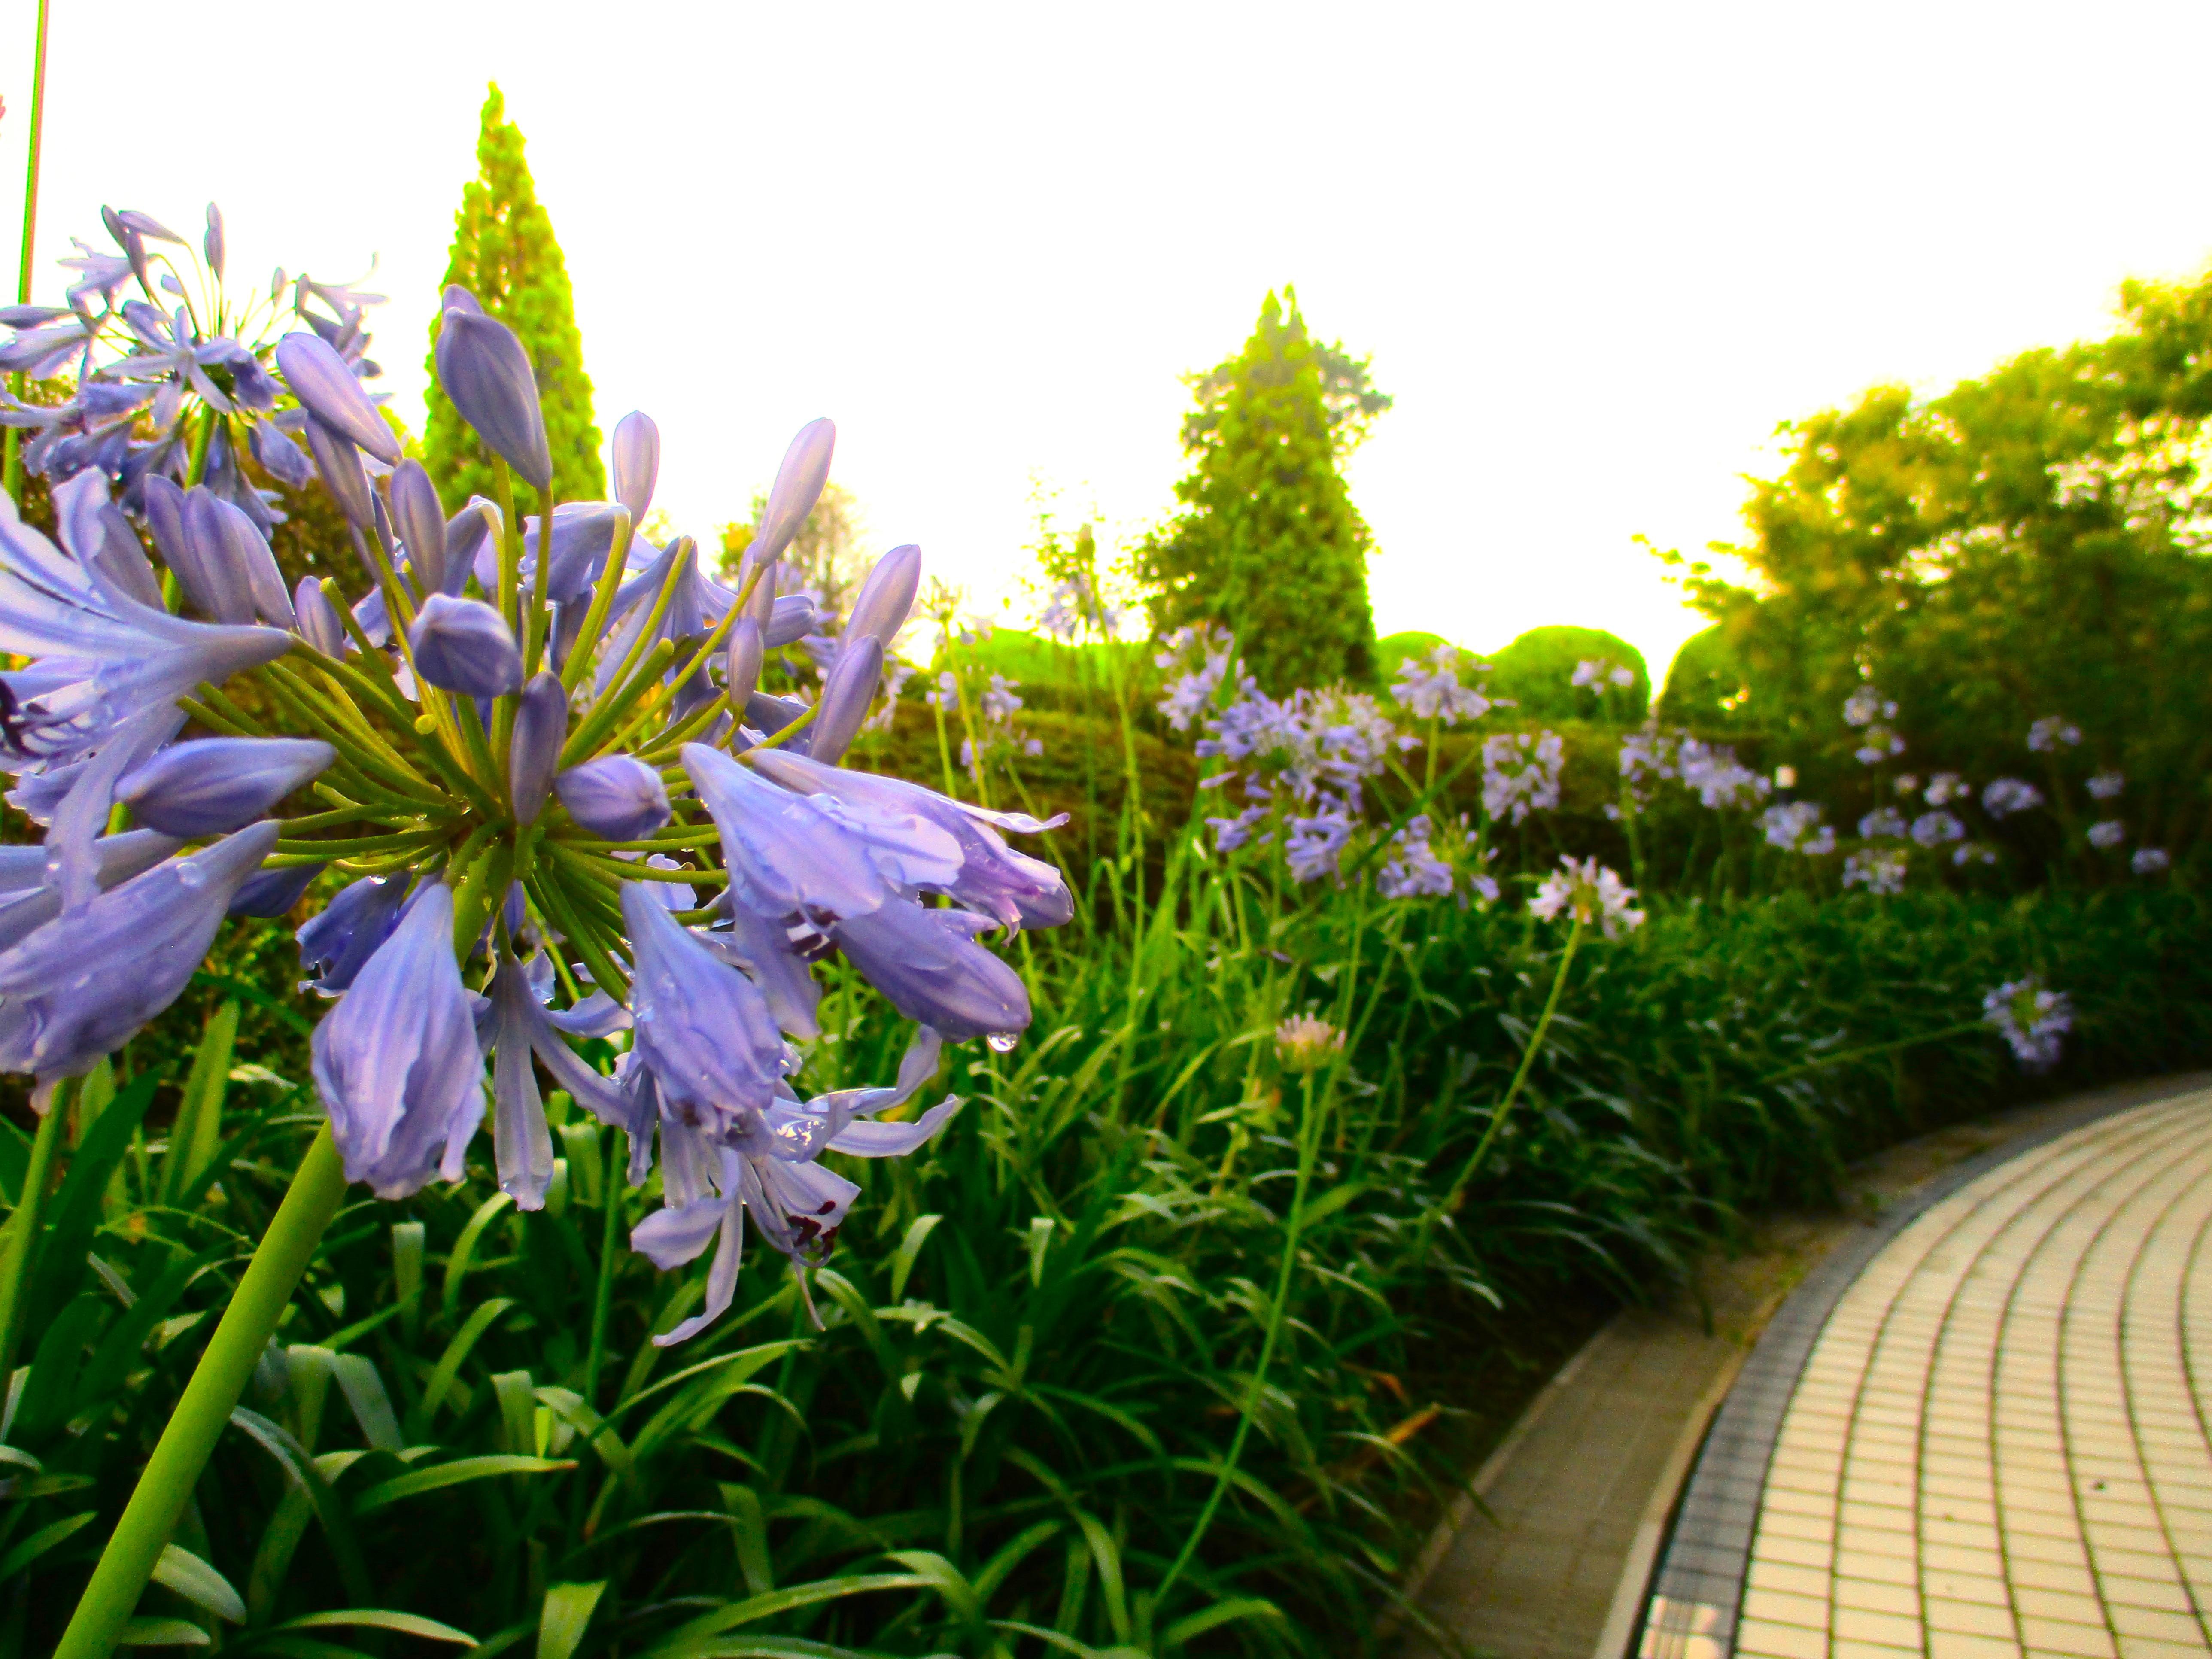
(23, 1229)
(14, 464)
(1521, 1074)
(125, 1566)
(1277, 1316)
(552, 897)
(603, 1300)
(1800, 1069)
(584, 742)
(603, 598)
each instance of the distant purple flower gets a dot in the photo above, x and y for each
(484, 370)
(1431, 689)
(1884, 822)
(1589, 894)
(2003, 797)
(1947, 786)
(2150, 861)
(214, 785)
(1314, 846)
(1521, 774)
(1414, 870)
(2108, 834)
(77, 989)
(1937, 829)
(1229, 834)
(2049, 733)
(1879, 870)
(274, 892)
(464, 646)
(616, 796)
(397, 1062)
(2031, 1019)
(2108, 786)
(1793, 826)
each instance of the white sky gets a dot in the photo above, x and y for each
(1597, 252)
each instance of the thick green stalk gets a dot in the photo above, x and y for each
(23, 1228)
(14, 463)
(603, 1300)
(1521, 1074)
(157, 1502)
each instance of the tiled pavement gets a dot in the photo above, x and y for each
(1998, 1444)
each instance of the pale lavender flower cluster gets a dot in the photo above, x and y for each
(1429, 688)
(1589, 895)
(1414, 870)
(1521, 773)
(1199, 656)
(1722, 783)
(1883, 823)
(1796, 827)
(539, 684)
(2150, 861)
(2052, 731)
(2108, 786)
(2030, 1019)
(1596, 673)
(2107, 834)
(2003, 797)
(1938, 829)
(1879, 870)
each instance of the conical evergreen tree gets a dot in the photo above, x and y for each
(1269, 544)
(504, 252)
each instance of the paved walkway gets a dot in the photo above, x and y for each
(1998, 1441)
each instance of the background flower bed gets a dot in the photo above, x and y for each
(1004, 1434)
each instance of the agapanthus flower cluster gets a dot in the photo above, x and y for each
(2051, 733)
(2003, 797)
(1883, 823)
(1879, 870)
(537, 749)
(1521, 773)
(1310, 747)
(1722, 783)
(2108, 786)
(1871, 712)
(1596, 673)
(1412, 870)
(2150, 861)
(1429, 688)
(1796, 827)
(2107, 834)
(1588, 893)
(1938, 829)
(1197, 660)
(1947, 786)
(2030, 1019)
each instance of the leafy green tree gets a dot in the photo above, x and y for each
(2032, 542)
(504, 253)
(1269, 544)
(1538, 672)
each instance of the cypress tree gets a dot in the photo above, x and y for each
(1269, 544)
(504, 253)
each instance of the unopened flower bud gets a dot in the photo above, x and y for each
(421, 521)
(464, 646)
(845, 699)
(324, 383)
(339, 463)
(214, 785)
(319, 623)
(637, 462)
(616, 796)
(485, 370)
(886, 598)
(741, 671)
(541, 725)
(798, 486)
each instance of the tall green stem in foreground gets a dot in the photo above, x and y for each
(1521, 1074)
(14, 461)
(166, 1482)
(23, 1227)
(1308, 1147)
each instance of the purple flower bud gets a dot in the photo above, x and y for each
(213, 241)
(237, 557)
(339, 464)
(637, 462)
(792, 618)
(485, 371)
(470, 534)
(928, 966)
(421, 521)
(457, 298)
(845, 698)
(79, 987)
(280, 457)
(397, 1062)
(541, 726)
(147, 225)
(213, 784)
(616, 796)
(94, 530)
(798, 486)
(274, 892)
(319, 623)
(464, 646)
(886, 598)
(741, 675)
(323, 383)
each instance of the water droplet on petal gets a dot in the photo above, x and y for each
(1002, 1043)
(189, 874)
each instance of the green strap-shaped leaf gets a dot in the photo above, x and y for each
(449, 1363)
(162, 1633)
(453, 1474)
(42, 1541)
(197, 1131)
(464, 1247)
(560, 1621)
(199, 1584)
(363, 1388)
(695, 1640)
(406, 1624)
